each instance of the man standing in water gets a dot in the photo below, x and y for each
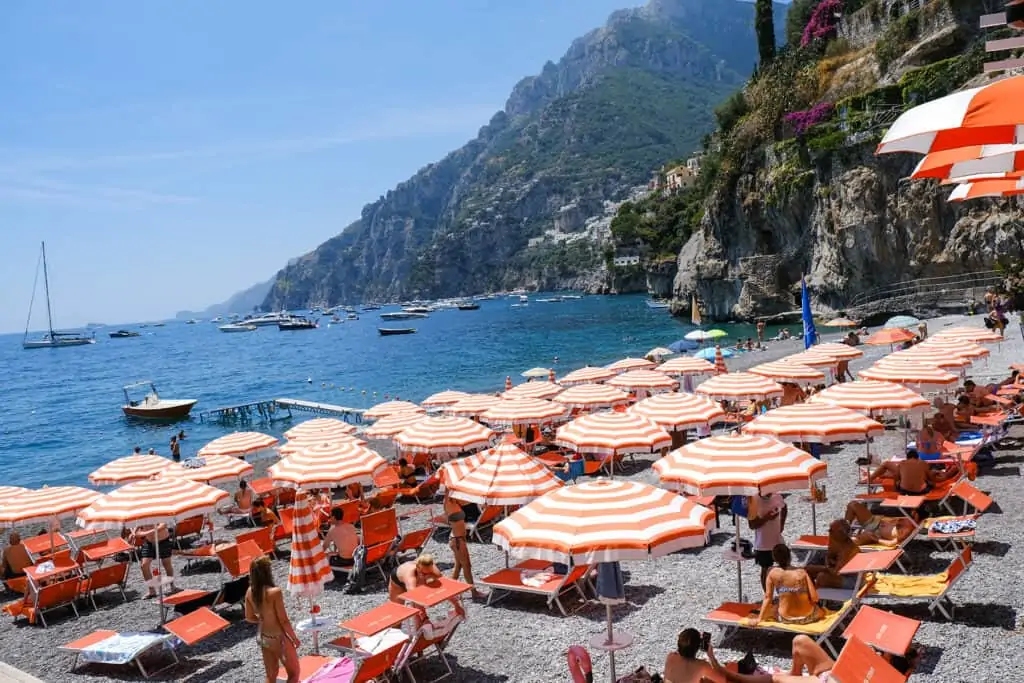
(175, 448)
(760, 333)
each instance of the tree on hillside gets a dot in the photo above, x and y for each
(764, 26)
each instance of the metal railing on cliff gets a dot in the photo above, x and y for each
(909, 294)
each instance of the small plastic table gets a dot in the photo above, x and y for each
(378, 619)
(316, 625)
(430, 595)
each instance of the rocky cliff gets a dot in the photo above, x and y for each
(511, 207)
(820, 203)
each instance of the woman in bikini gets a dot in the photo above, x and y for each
(796, 594)
(929, 442)
(457, 542)
(264, 605)
(409, 575)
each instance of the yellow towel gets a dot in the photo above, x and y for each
(900, 586)
(813, 629)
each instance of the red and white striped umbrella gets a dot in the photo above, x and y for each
(8, 493)
(911, 375)
(160, 500)
(45, 504)
(128, 469)
(472, 405)
(326, 427)
(592, 397)
(215, 470)
(534, 390)
(966, 162)
(631, 364)
(679, 412)
(604, 521)
(328, 466)
(613, 433)
(979, 188)
(978, 335)
(873, 398)
(788, 372)
(389, 408)
(297, 444)
(739, 465)
(837, 350)
(444, 435)
(813, 358)
(934, 358)
(443, 398)
(308, 569)
(720, 367)
(823, 423)
(739, 386)
(650, 381)
(887, 336)
(954, 347)
(388, 427)
(588, 375)
(524, 411)
(504, 475)
(686, 365)
(238, 444)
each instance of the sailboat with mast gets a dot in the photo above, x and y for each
(52, 339)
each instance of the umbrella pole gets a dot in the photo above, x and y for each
(53, 521)
(611, 640)
(158, 575)
(739, 561)
(316, 631)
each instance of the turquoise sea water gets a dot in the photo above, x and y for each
(61, 415)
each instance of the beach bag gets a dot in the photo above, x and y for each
(739, 506)
(641, 675)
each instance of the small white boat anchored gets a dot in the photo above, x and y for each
(152, 407)
(237, 327)
(657, 305)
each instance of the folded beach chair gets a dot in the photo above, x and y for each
(39, 547)
(106, 577)
(284, 530)
(262, 537)
(537, 577)
(121, 649)
(858, 663)
(235, 561)
(489, 516)
(434, 635)
(189, 529)
(933, 588)
(379, 533)
(413, 542)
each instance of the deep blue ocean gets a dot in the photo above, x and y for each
(61, 415)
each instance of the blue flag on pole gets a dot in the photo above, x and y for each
(810, 333)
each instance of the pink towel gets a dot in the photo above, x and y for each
(338, 671)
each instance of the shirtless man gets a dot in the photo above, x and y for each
(978, 395)
(243, 501)
(876, 529)
(914, 477)
(344, 539)
(15, 558)
(155, 540)
(684, 665)
(841, 549)
(964, 412)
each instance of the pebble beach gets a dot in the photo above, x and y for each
(519, 640)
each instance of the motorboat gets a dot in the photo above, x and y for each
(297, 324)
(218, 319)
(267, 319)
(552, 300)
(571, 297)
(523, 299)
(371, 307)
(124, 334)
(237, 327)
(656, 304)
(389, 331)
(418, 309)
(191, 321)
(468, 306)
(152, 407)
(51, 339)
(352, 316)
(403, 315)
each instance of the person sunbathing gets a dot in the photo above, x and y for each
(684, 666)
(841, 549)
(411, 575)
(876, 529)
(944, 422)
(964, 412)
(243, 501)
(15, 558)
(406, 473)
(792, 587)
(929, 442)
(977, 394)
(914, 476)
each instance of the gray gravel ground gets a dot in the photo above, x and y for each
(519, 640)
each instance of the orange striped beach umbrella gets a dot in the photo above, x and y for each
(522, 412)
(823, 423)
(472, 405)
(631, 364)
(978, 335)
(443, 398)
(534, 390)
(128, 469)
(320, 427)
(679, 412)
(965, 162)
(987, 187)
(444, 435)
(10, 493)
(308, 569)
(238, 444)
(592, 397)
(720, 367)
(874, 398)
(912, 375)
(932, 357)
(739, 386)
(388, 427)
(788, 372)
(837, 350)
(297, 444)
(613, 433)
(388, 408)
(327, 466)
(686, 366)
(587, 375)
(504, 475)
(604, 521)
(955, 347)
(212, 469)
(889, 335)
(815, 357)
(45, 504)
(651, 381)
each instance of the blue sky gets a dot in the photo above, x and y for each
(171, 154)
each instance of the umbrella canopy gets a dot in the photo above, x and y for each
(444, 435)
(739, 465)
(320, 427)
(534, 390)
(615, 433)
(8, 493)
(988, 115)
(904, 321)
(45, 504)
(522, 412)
(710, 353)
(537, 372)
(888, 336)
(631, 364)
(954, 347)
(212, 470)
(388, 408)
(815, 357)
(686, 365)
(873, 398)
(823, 423)
(789, 372)
(720, 368)
(679, 412)
(979, 335)
(911, 375)
(308, 569)
(588, 375)
(238, 444)
(836, 350)
(128, 469)
(504, 475)
(443, 398)
(473, 405)
(592, 397)
(965, 162)
(327, 466)
(299, 443)
(161, 500)
(739, 386)
(705, 335)
(604, 521)
(658, 352)
(650, 381)
(840, 322)
(935, 358)
(683, 345)
(392, 425)
(987, 187)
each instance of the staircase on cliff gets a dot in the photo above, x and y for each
(950, 291)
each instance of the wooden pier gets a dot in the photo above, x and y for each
(279, 409)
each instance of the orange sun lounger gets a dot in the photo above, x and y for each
(858, 663)
(933, 588)
(537, 578)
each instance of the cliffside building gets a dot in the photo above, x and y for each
(679, 177)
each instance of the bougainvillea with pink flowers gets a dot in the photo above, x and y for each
(802, 120)
(823, 22)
